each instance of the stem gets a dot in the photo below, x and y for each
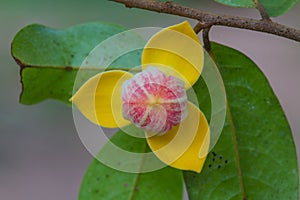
(206, 40)
(263, 13)
(209, 19)
(198, 27)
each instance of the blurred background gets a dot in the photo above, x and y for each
(41, 156)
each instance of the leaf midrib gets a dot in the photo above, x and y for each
(234, 139)
(237, 156)
(74, 68)
(131, 197)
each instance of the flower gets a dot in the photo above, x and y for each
(155, 99)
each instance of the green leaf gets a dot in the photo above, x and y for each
(238, 3)
(278, 7)
(273, 8)
(102, 182)
(255, 156)
(50, 59)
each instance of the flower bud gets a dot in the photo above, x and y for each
(153, 101)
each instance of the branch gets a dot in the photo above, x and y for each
(206, 41)
(210, 19)
(263, 13)
(198, 27)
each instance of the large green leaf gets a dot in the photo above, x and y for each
(255, 156)
(273, 8)
(102, 182)
(50, 58)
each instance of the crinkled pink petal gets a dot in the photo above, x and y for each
(153, 101)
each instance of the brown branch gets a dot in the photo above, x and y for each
(210, 19)
(206, 41)
(198, 27)
(263, 13)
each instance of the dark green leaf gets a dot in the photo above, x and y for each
(255, 156)
(102, 182)
(50, 58)
(273, 8)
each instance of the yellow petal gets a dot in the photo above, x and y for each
(100, 100)
(177, 48)
(186, 145)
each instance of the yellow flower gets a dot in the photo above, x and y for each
(177, 53)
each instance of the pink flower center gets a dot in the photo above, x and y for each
(153, 101)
